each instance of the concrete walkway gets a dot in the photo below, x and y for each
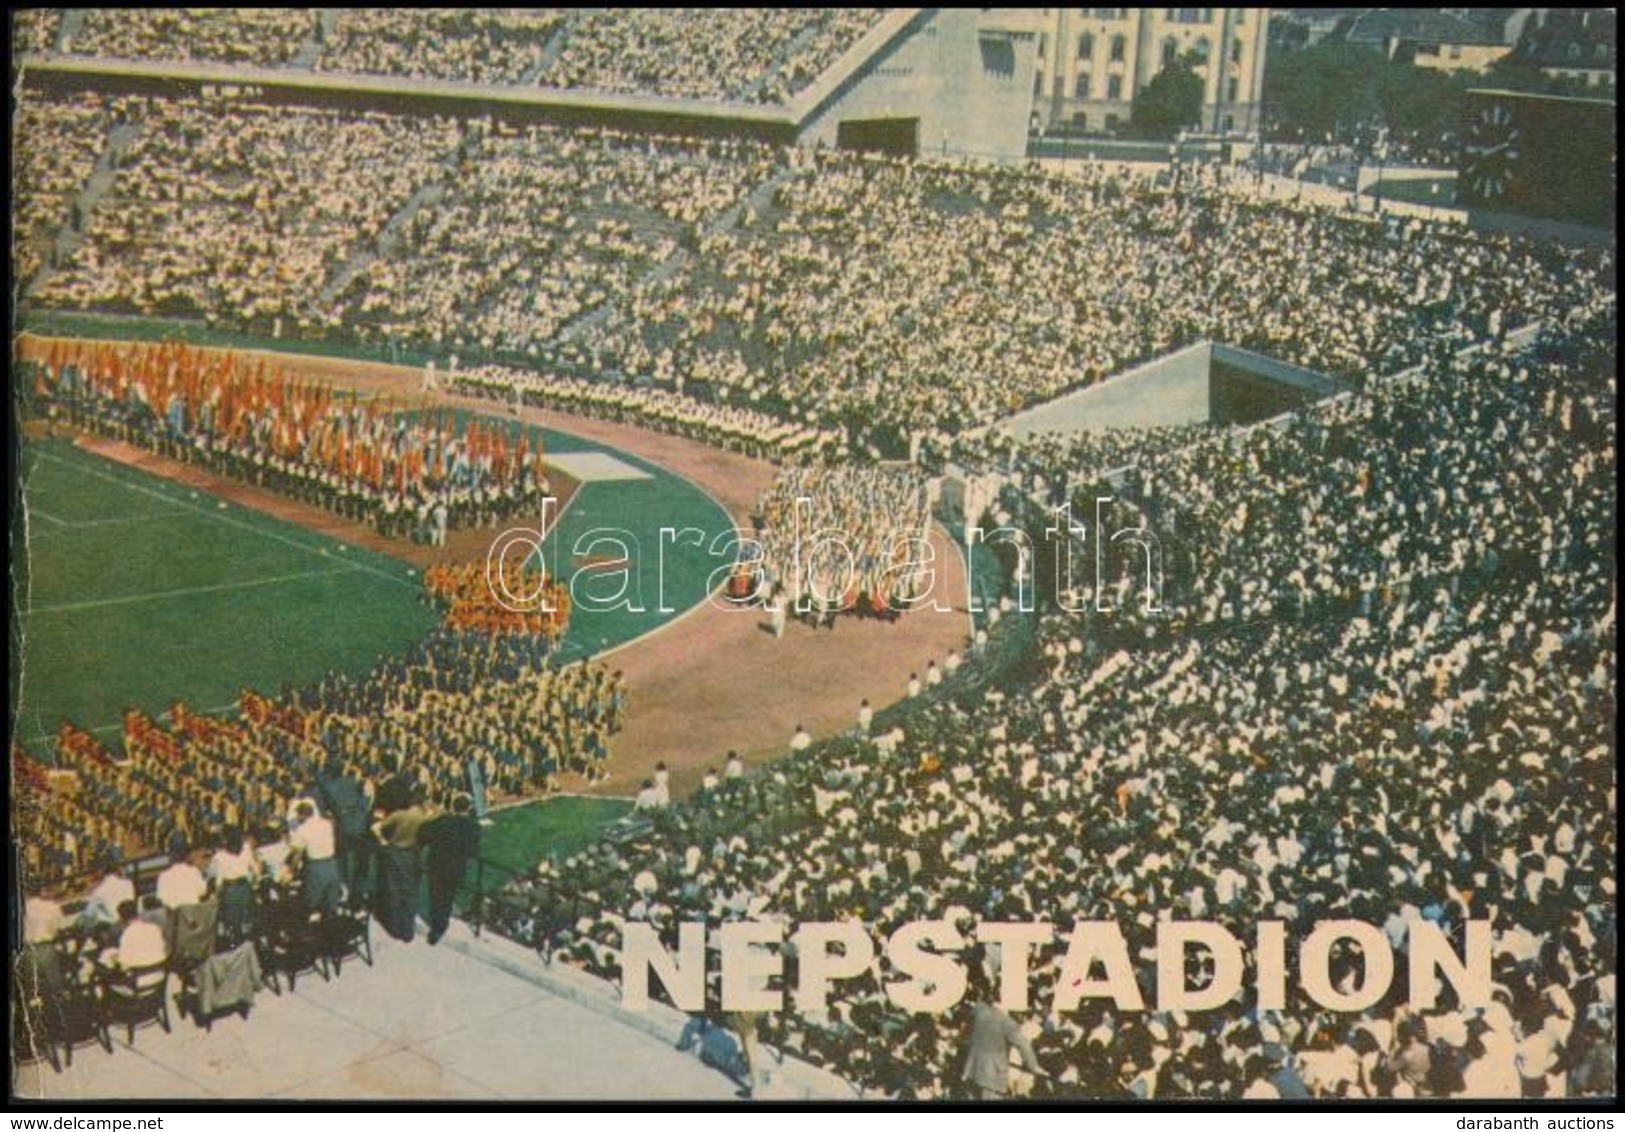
(422, 1023)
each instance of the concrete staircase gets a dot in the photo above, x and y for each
(96, 187)
(310, 50)
(388, 238)
(427, 194)
(727, 221)
(73, 22)
(800, 41)
(552, 48)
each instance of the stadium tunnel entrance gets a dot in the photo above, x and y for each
(895, 137)
(1207, 383)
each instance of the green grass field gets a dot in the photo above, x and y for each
(520, 836)
(135, 592)
(131, 591)
(637, 511)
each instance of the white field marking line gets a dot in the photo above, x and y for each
(547, 535)
(83, 523)
(160, 595)
(228, 520)
(686, 481)
(516, 803)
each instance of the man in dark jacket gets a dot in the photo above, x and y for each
(343, 802)
(450, 841)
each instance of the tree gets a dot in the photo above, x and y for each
(1341, 90)
(1323, 90)
(1419, 102)
(1518, 71)
(1170, 101)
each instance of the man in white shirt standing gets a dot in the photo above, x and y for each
(646, 800)
(180, 884)
(776, 612)
(313, 841)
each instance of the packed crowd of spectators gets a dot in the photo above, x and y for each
(1030, 462)
(403, 473)
(934, 296)
(1402, 600)
(64, 141)
(1466, 480)
(260, 37)
(888, 298)
(471, 45)
(757, 54)
(34, 30)
(1459, 711)
(242, 213)
(537, 228)
(731, 428)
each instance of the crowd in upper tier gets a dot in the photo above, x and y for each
(756, 55)
(497, 46)
(260, 37)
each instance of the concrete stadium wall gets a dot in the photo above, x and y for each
(1204, 382)
(519, 105)
(933, 70)
(1244, 386)
(1171, 390)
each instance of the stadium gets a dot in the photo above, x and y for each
(492, 486)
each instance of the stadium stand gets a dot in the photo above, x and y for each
(1456, 709)
(764, 55)
(816, 298)
(1379, 683)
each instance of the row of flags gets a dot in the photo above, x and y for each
(232, 395)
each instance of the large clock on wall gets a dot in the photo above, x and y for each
(1538, 155)
(1491, 152)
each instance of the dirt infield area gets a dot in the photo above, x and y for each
(711, 680)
